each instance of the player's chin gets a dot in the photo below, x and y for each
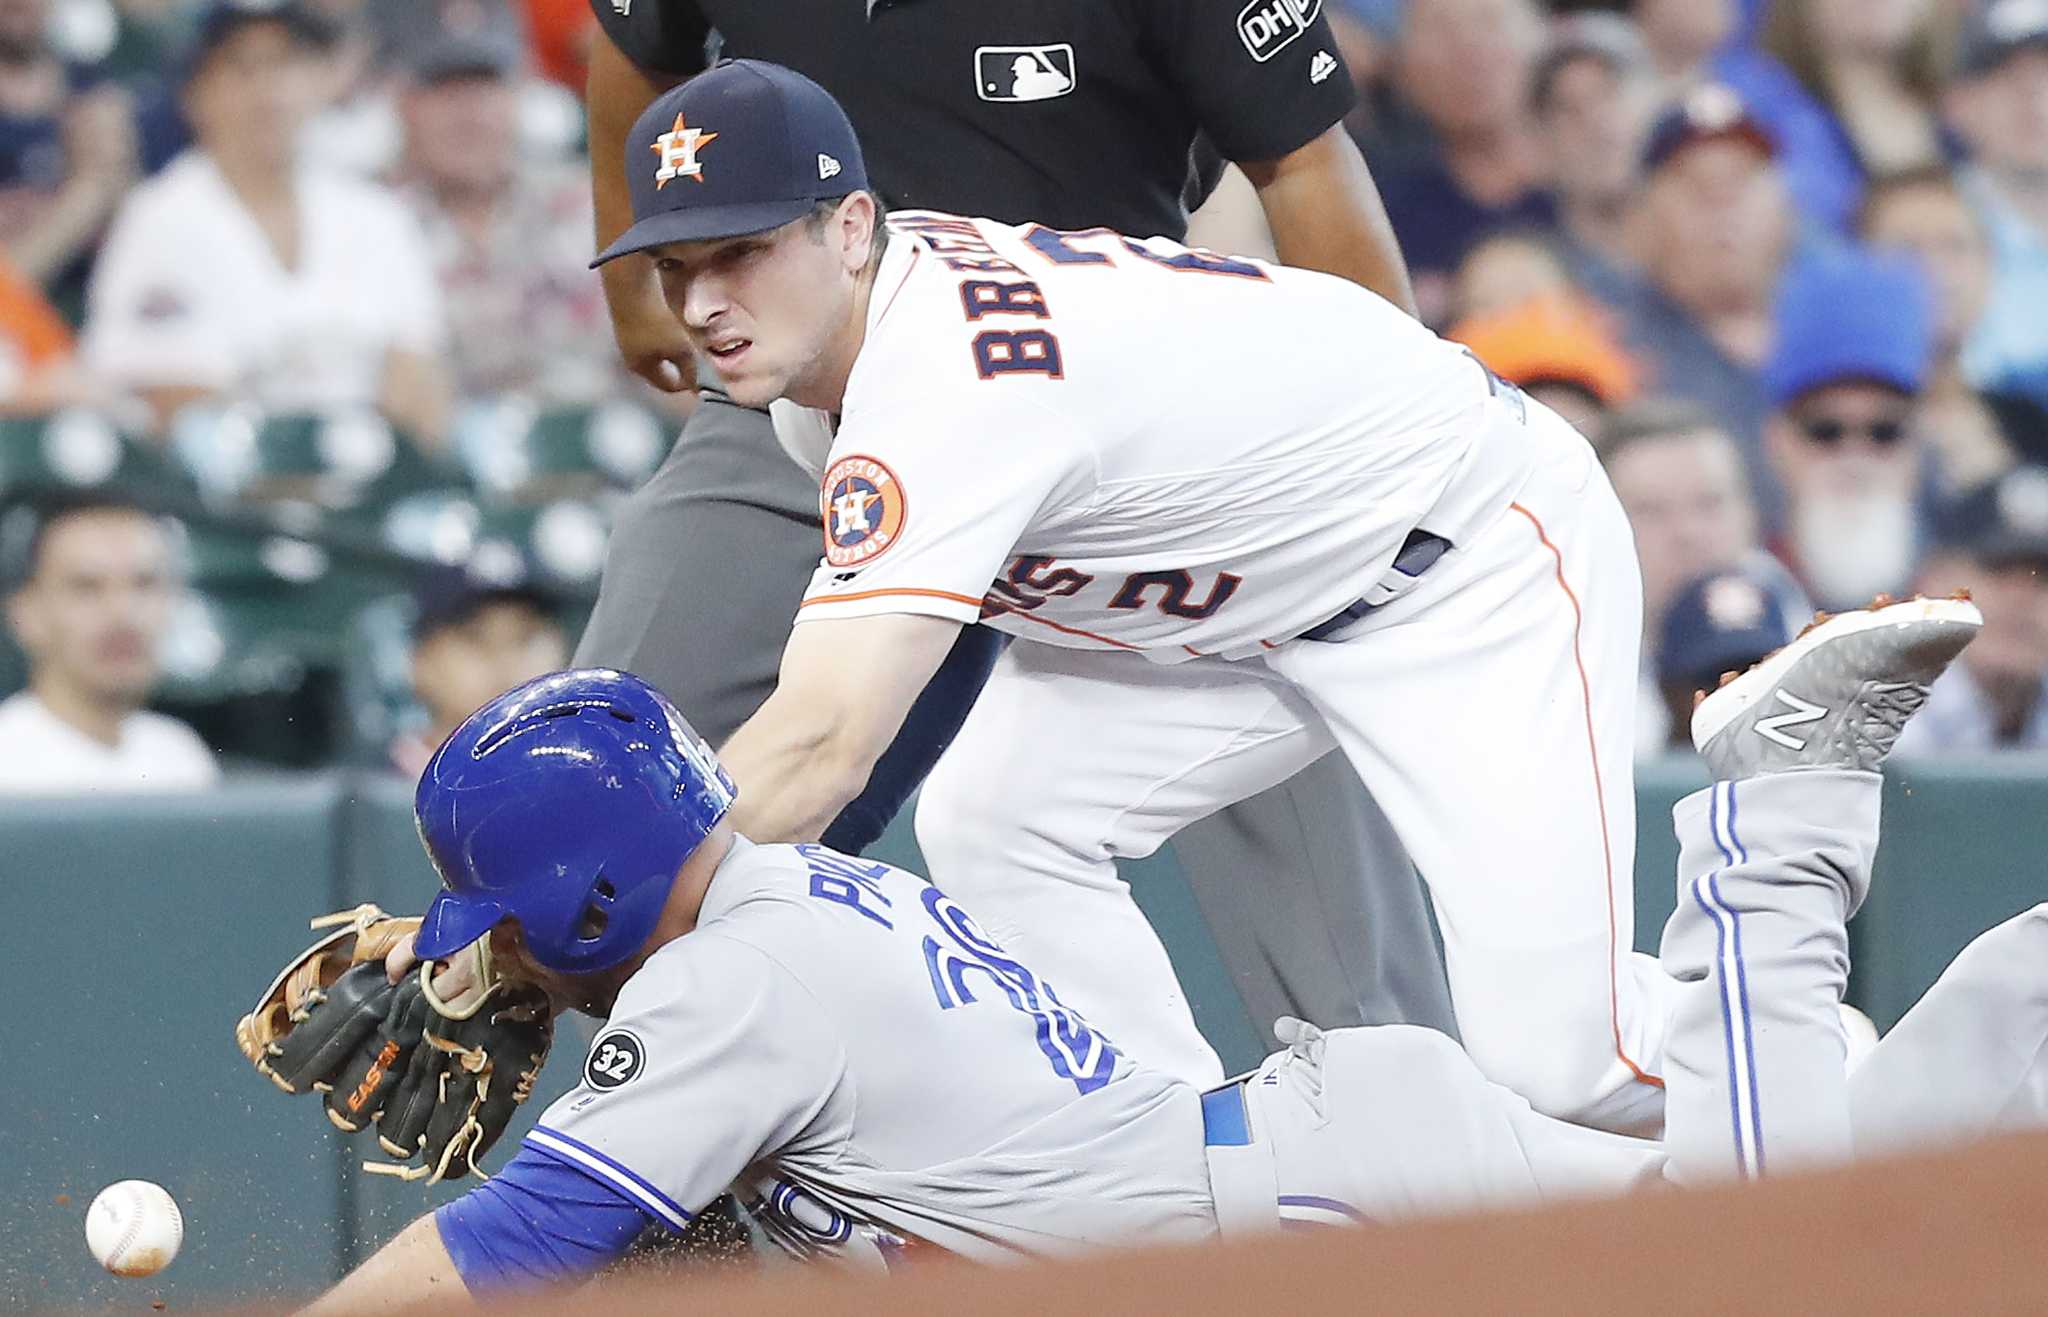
(750, 387)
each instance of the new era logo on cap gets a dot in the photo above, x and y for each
(827, 166)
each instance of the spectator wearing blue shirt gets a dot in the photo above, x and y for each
(1699, 41)
(67, 153)
(1877, 68)
(1464, 66)
(1855, 338)
(1714, 231)
(1999, 104)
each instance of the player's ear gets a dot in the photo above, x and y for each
(857, 230)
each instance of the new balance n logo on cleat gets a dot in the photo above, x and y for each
(1802, 712)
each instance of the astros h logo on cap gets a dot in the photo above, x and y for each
(677, 149)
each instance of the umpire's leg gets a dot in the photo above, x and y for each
(707, 563)
(1315, 908)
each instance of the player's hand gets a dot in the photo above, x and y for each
(649, 336)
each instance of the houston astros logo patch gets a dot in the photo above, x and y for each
(864, 511)
(677, 150)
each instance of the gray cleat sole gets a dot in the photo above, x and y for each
(1843, 690)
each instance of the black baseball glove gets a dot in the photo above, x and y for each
(440, 1075)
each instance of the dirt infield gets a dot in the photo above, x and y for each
(1962, 1232)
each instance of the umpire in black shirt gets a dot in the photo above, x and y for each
(1071, 113)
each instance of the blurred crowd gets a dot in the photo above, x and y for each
(310, 277)
(1786, 263)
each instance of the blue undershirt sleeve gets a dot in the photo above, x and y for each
(930, 726)
(540, 1219)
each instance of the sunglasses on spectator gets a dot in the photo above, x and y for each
(1827, 431)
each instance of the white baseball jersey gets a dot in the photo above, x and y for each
(841, 1035)
(1110, 443)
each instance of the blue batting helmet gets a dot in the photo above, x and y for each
(568, 803)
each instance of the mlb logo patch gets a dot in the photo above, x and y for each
(1025, 73)
(1268, 27)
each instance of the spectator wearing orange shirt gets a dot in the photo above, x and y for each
(38, 369)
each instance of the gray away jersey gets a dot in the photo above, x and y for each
(844, 1038)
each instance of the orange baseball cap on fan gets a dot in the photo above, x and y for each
(1552, 339)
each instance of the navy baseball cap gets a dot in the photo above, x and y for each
(1706, 113)
(743, 147)
(1851, 315)
(1724, 622)
(446, 596)
(220, 20)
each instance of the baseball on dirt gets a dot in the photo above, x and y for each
(134, 1228)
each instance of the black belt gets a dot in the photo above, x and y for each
(1419, 552)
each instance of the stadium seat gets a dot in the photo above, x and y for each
(327, 461)
(82, 449)
(514, 451)
(558, 542)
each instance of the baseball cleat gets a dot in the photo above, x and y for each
(1838, 696)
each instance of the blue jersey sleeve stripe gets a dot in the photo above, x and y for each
(590, 1159)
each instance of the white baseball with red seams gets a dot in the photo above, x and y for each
(134, 1228)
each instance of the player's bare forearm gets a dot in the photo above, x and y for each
(1325, 213)
(413, 1272)
(844, 690)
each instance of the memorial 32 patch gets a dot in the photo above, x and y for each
(615, 1058)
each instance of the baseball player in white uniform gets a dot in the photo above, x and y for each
(848, 1041)
(1382, 549)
